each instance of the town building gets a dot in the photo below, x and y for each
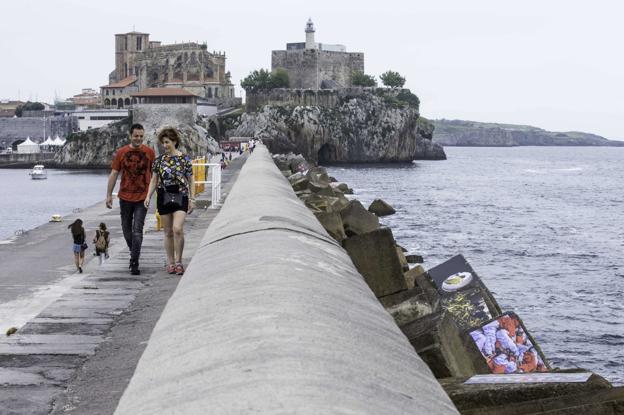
(96, 118)
(312, 65)
(88, 98)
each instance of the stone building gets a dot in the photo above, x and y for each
(141, 63)
(312, 65)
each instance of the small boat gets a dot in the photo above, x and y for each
(38, 172)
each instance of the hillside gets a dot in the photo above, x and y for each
(478, 134)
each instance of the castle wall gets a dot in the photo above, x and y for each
(307, 68)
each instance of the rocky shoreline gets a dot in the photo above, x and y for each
(436, 324)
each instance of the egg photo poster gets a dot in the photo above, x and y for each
(462, 293)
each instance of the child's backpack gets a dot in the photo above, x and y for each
(100, 244)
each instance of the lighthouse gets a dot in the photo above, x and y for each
(309, 31)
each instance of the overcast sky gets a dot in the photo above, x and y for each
(553, 64)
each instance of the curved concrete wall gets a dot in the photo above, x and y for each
(272, 317)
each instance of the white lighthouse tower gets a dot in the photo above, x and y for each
(309, 31)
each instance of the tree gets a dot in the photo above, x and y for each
(256, 81)
(29, 106)
(392, 79)
(279, 78)
(361, 79)
(262, 80)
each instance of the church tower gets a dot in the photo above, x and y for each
(309, 30)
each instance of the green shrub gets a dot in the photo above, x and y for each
(361, 79)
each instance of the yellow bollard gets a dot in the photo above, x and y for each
(158, 222)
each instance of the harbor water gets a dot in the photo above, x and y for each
(28, 203)
(542, 226)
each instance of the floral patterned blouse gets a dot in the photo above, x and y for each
(173, 171)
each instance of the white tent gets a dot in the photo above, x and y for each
(28, 146)
(48, 142)
(58, 141)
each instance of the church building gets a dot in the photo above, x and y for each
(141, 63)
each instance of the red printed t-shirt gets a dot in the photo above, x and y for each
(135, 166)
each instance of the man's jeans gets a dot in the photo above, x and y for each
(132, 221)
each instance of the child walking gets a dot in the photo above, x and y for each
(101, 241)
(79, 246)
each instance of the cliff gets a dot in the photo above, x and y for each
(94, 148)
(379, 125)
(475, 134)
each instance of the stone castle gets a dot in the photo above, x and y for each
(312, 65)
(141, 63)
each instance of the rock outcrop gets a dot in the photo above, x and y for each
(476, 134)
(94, 148)
(379, 126)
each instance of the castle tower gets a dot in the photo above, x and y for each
(309, 30)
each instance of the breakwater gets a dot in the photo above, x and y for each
(449, 327)
(271, 316)
(25, 160)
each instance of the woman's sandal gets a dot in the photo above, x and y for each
(179, 269)
(171, 269)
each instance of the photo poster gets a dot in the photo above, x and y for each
(463, 294)
(535, 377)
(507, 346)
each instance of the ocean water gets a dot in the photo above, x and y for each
(542, 226)
(27, 203)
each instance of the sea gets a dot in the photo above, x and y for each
(26, 203)
(543, 227)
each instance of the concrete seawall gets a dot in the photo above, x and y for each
(272, 317)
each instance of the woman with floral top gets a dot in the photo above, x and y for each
(172, 173)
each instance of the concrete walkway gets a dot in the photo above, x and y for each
(80, 335)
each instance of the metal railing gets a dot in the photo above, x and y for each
(201, 175)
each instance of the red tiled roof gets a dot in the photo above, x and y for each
(123, 83)
(163, 92)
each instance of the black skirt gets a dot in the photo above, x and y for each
(168, 209)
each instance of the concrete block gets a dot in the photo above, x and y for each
(374, 256)
(357, 220)
(411, 309)
(414, 259)
(412, 274)
(301, 184)
(381, 208)
(594, 397)
(439, 343)
(332, 222)
(402, 259)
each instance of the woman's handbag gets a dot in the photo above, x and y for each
(172, 199)
(84, 246)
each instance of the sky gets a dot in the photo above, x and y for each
(552, 64)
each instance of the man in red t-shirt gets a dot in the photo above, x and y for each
(134, 161)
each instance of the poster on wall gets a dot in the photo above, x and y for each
(462, 293)
(535, 377)
(507, 347)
